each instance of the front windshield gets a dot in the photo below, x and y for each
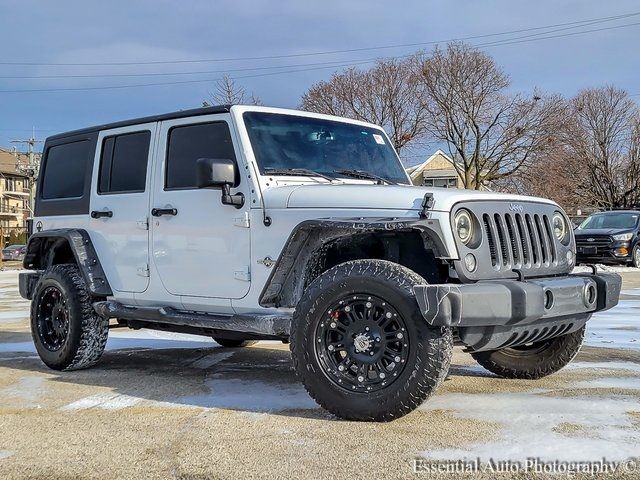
(282, 141)
(610, 220)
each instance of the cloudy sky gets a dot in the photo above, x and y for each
(81, 32)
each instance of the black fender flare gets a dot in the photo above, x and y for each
(42, 244)
(308, 238)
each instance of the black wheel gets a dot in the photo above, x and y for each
(636, 256)
(67, 333)
(234, 343)
(361, 346)
(532, 361)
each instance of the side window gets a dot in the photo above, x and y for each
(123, 163)
(64, 170)
(189, 143)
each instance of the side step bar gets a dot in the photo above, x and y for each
(267, 325)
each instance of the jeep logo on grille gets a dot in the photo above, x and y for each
(516, 207)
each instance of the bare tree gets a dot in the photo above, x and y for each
(389, 94)
(604, 135)
(228, 92)
(490, 134)
(558, 175)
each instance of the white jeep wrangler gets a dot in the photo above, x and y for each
(249, 223)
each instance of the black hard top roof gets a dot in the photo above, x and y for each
(153, 118)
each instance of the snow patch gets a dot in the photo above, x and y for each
(5, 454)
(530, 424)
(104, 401)
(616, 328)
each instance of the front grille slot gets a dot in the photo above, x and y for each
(490, 240)
(503, 240)
(521, 241)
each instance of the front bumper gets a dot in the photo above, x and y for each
(513, 311)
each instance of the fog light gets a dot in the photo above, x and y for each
(570, 257)
(470, 262)
(621, 252)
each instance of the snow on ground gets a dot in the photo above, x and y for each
(607, 268)
(616, 328)
(533, 426)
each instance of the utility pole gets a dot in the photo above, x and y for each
(33, 166)
(31, 169)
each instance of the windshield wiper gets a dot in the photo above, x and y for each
(353, 173)
(297, 172)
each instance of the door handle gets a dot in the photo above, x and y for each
(101, 214)
(158, 212)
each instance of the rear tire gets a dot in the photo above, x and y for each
(67, 332)
(224, 342)
(535, 361)
(361, 346)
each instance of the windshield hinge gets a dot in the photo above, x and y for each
(242, 221)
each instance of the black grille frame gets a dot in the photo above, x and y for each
(513, 236)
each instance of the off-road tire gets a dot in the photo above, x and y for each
(429, 351)
(546, 358)
(87, 331)
(224, 342)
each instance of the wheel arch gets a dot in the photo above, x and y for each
(315, 246)
(68, 245)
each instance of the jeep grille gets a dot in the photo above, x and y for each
(517, 241)
(511, 240)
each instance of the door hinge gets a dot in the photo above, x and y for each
(143, 224)
(143, 271)
(242, 221)
(244, 274)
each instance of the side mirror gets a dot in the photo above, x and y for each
(219, 172)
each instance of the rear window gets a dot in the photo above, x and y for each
(123, 163)
(65, 169)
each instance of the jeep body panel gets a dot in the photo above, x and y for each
(204, 256)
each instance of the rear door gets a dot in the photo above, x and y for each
(200, 247)
(119, 205)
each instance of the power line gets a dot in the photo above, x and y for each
(328, 52)
(332, 65)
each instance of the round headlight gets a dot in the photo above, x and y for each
(559, 226)
(464, 225)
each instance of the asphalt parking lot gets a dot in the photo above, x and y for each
(178, 406)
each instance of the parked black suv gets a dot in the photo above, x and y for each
(609, 237)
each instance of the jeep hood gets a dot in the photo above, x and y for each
(377, 197)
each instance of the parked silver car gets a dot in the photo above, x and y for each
(14, 252)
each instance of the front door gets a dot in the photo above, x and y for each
(120, 205)
(200, 247)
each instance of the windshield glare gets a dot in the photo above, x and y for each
(610, 220)
(282, 141)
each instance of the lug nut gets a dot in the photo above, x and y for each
(341, 368)
(399, 335)
(331, 348)
(397, 359)
(382, 375)
(361, 378)
(333, 325)
(347, 308)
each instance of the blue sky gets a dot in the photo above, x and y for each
(86, 31)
